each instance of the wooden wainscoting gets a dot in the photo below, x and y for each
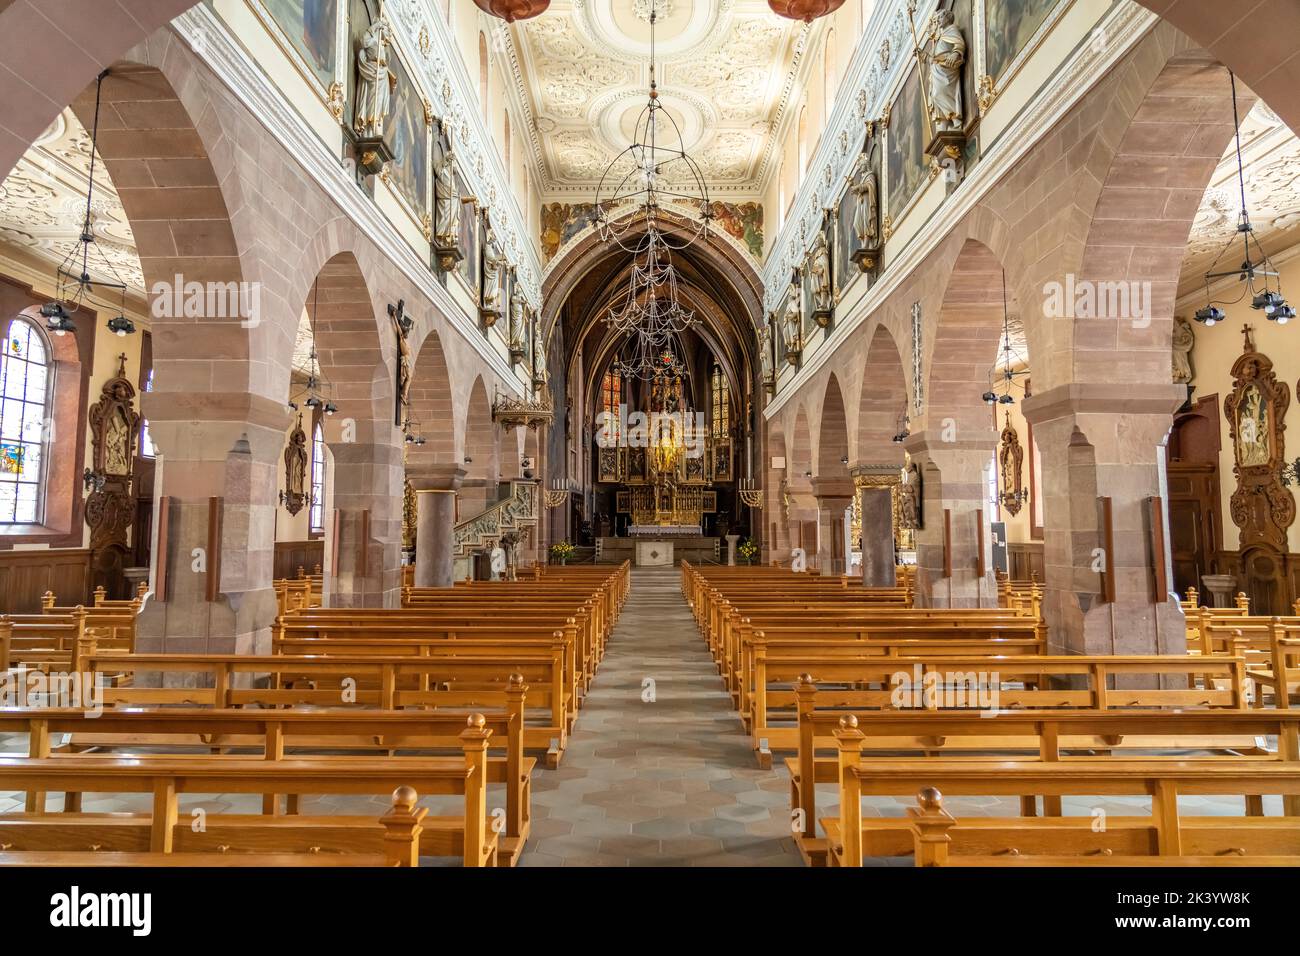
(1026, 559)
(292, 555)
(26, 575)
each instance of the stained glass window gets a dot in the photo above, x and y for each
(318, 479)
(611, 396)
(721, 391)
(146, 440)
(24, 398)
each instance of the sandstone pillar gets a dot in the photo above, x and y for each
(435, 492)
(218, 455)
(1099, 441)
(366, 495)
(954, 519)
(834, 497)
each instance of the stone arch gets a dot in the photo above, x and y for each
(882, 402)
(1267, 60)
(966, 341)
(366, 476)
(734, 269)
(432, 405)
(832, 433)
(171, 160)
(81, 46)
(481, 460)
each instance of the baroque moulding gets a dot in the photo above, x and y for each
(1124, 25)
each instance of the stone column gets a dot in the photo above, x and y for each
(435, 493)
(953, 480)
(834, 496)
(878, 567)
(213, 445)
(732, 541)
(367, 499)
(1100, 441)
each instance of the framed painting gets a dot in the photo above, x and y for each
(623, 502)
(906, 168)
(409, 132)
(310, 30)
(468, 239)
(1010, 27)
(841, 265)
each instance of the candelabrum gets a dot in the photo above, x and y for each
(750, 493)
(559, 492)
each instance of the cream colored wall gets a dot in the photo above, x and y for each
(104, 364)
(1213, 354)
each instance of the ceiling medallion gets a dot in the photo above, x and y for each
(652, 171)
(512, 10)
(805, 10)
(642, 9)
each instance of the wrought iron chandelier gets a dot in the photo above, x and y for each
(74, 281)
(1009, 365)
(652, 172)
(316, 391)
(1265, 297)
(649, 306)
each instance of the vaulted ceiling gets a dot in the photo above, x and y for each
(725, 72)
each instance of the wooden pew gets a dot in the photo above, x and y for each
(386, 683)
(1164, 832)
(426, 639)
(166, 777)
(939, 839)
(1281, 678)
(276, 734)
(865, 682)
(402, 827)
(1020, 735)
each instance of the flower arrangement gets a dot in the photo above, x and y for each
(561, 551)
(748, 550)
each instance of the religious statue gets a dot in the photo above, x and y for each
(1011, 458)
(764, 332)
(294, 496)
(820, 272)
(375, 82)
(910, 498)
(447, 200)
(947, 56)
(539, 361)
(493, 261)
(516, 340)
(402, 326)
(1183, 342)
(1252, 429)
(793, 320)
(866, 191)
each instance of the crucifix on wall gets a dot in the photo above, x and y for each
(402, 324)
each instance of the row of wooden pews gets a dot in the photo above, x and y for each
(451, 694)
(878, 699)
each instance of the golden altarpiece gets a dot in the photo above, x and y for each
(668, 478)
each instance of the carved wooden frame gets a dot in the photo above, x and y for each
(1260, 506)
(1011, 485)
(295, 470)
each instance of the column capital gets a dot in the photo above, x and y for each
(427, 478)
(1089, 398)
(930, 442)
(823, 488)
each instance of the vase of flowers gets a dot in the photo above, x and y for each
(561, 551)
(747, 550)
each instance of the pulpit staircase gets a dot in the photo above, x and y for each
(516, 512)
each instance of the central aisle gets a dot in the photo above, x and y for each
(668, 782)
